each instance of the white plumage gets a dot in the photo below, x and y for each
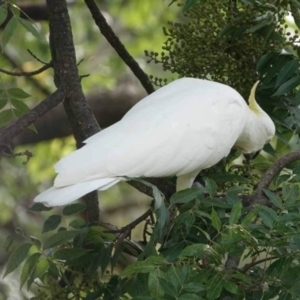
(182, 128)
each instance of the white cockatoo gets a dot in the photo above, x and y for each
(182, 128)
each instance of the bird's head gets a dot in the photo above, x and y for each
(259, 128)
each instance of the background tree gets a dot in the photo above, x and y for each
(235, 237)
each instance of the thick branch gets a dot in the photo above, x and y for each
(108, 107)
(66, 76)
(9, 132)
(114, 41)
(267, 178)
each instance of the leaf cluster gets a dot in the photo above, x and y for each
(223, 40)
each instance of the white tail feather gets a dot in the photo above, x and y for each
(64, 195)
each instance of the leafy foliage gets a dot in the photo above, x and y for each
(190, 240)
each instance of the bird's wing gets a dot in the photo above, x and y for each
(188, 125)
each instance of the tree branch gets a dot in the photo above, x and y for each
(278, 166)
(32, 80)
(9, 132)
(114, 41)
(66, 76)
(28, 74)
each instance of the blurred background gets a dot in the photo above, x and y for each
(111, 89)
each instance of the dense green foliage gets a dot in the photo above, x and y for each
(209, 242)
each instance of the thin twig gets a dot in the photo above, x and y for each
(38, 71)
(32, 80)
(35, 57)
(250, 265)
(126, 231)
(115, 42)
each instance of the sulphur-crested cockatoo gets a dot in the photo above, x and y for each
(182, 128)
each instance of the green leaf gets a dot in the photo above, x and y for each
(189, 3)
(29, 267)
(138, 267)
(70, 253)
(259, 25)
(3, 13)
(186, 196)
(17, 257)
(210, 186)
(73, 208)
(51, 223)
(30, 28)
(249, 218)
(291, 217)
(216, 286)
(36, 242)
(19, 105)
(268, 216)
(77, 223)
(41, 268)
(17, 93)
(264, 61)
(168, 288)
(235, 213)
(287, 72)
(193, 287)
(38, 207)
(6, 116)
(154, 287)
(287, 86)
(3, 102)
(216, 222)
(8, 31)
(188, 296)
(273, 198)
(53, 271)
(59, 238)
(231, 287)
(174, 278)
(195, 250)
